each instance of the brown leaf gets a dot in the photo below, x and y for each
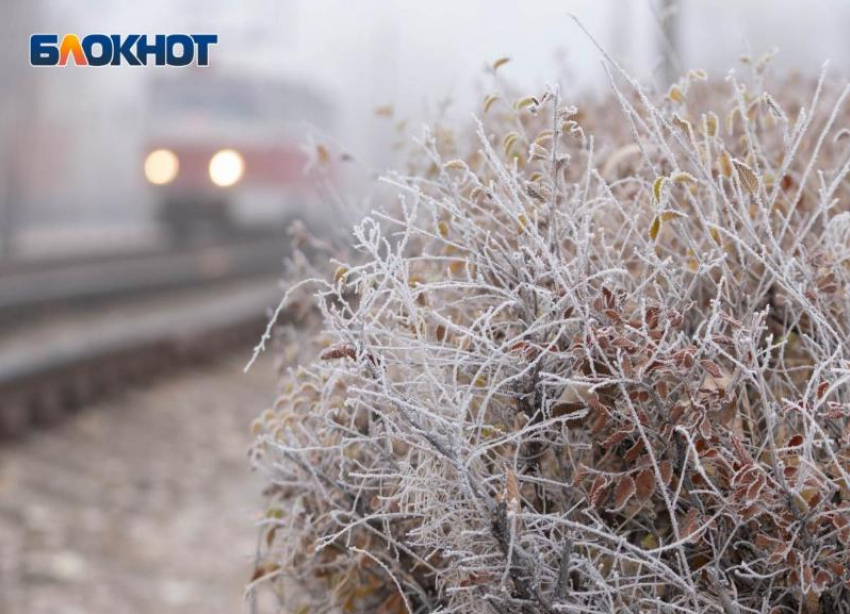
(748, 177)
(633, 452)
(339, 351)
(440, 332)
(645, 484)
(565, 408)
(599, 422)
(796, 440)
(614, 439)
(511, 489)
(598, 491)
(625, 490)
(666, 469)
(728, 413)
(690, 524)
(711, 368)
(264, 569)
(500, 62)
(652, 314)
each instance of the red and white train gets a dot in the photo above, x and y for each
(223, 153)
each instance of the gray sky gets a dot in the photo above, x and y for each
(364, 53)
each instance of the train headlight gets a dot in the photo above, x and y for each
(161, 166)
(226, 168)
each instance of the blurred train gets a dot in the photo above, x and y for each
(222, 152)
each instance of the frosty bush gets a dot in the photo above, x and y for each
(584, 374)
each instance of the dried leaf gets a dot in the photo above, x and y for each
(690, 524)
(655, 228)
(264, 569)
(683, 177)
(645, 484)
(614, 439)
(748, 177)
(489, 101)
(710, 123)
(500, 62)
(598, 491)
(440, 332)
(599, 422)
(795, 441)
(725, 164)
(339, 351)
(675, 94)
(711, 368)
(634, 452)
(625, 490)
(510, 139)
(667, 216)
(666, 469)
(526, 101)
(657, 186)
(323, 154)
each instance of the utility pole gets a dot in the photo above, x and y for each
(16, 103)
(670, 22)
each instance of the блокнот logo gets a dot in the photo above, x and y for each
(117, 50)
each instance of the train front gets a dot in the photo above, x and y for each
(222, 157)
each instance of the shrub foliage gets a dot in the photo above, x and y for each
(578, 373)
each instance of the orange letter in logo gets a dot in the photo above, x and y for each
(71, 45)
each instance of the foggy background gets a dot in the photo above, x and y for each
(73, 140)
(135, 281)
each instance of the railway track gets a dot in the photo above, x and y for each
(71, 335)
(32, 286)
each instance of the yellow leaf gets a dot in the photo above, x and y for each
(457, 267)
(510, 139)
(725, 164)
(710, 121)
(500, 62)
(683, 177)
(489, 101)
(666, 216)
(443, 228)
(522, 222)
(655, 228)
(323, 154)
(340, 274)
(656, 188)
(675, 94)
(544, 136)
(649, 542)
(526, 102)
